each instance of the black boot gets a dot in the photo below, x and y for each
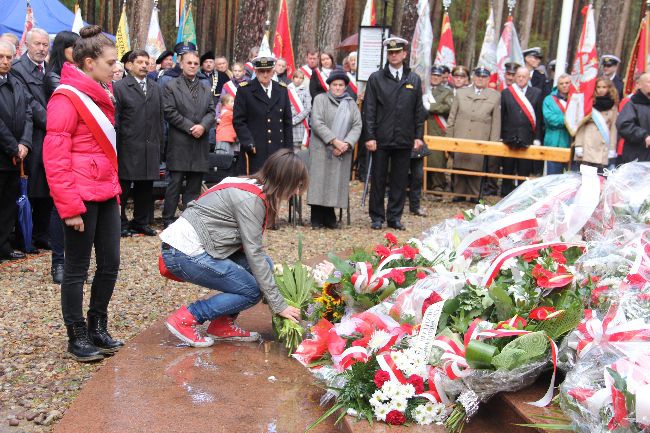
(79, 347)
(57, 274)
(99, 336)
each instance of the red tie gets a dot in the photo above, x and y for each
(40, 68)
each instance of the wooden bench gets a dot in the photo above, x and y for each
(488, 148)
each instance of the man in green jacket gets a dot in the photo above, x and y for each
(437, 103)
(556, 134)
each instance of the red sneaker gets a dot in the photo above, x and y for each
(183, 325)
(224, 328)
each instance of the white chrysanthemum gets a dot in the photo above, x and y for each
(399, 404)
(381, 411)
(405, 391)
(379, 396)
(378, 340)
(511, 263)
(390, 388)
(436, 411)
(421, 416)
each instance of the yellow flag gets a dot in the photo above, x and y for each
(122, 40)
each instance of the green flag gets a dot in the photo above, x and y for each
(189, 29)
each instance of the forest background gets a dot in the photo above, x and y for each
(232, 27)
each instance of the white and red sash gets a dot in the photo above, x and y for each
(296, 103)
(244, 184)
(249, 68)
(230, 88)
(561, 103)
(306, 70)
(601, 124)
(100, 126)
(441, 122)
(321, 79)
(524, 104)
(353, 84)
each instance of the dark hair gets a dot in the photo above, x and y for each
(62, 41)
(311, 51)
(137, 53)
(282, 173)
(330, 55)
(91, 44)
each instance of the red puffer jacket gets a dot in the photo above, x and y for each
(77, 169)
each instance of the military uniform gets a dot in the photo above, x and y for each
(394, 117)
(439, 104)
(263, 125)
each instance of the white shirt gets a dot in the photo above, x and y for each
(267, 90)
(182, 236)
(393, 70)
(144, 80)
(42, 64)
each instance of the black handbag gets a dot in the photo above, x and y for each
(221, 165)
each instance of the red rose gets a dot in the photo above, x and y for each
(382, 251)
(417, 382)
(541, 313)
(395, 417)
(432, 299)
(392, 240)
(530, 256)
(381, 377)
(397, 276)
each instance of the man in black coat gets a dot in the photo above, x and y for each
(393, 121)
(610, 70)
(633, 123)
(176, 71)
(538, 79)
(30, 70)
(521, 124)
(15, 143)
(189, 111)
(262, 116)
(139, 125)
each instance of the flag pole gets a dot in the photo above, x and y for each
(563, 39)
(647, 34)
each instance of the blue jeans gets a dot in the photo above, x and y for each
(231, 276)
(555, 167)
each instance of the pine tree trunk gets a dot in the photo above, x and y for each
(525, 21)
(608, 29)
(405, 25)
(250, 26)
(330, 22)
(305, 28)
(470, 47)
(436, 20)
(139, 17)
(498, 15)
(620, 37)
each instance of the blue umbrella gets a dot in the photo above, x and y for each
(25, 211)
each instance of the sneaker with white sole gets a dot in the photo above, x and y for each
(183, 325)
(223, 328)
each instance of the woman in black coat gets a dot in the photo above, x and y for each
(60, 54)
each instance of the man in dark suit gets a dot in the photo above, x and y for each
(30, 70)
(139, 125)
(262, 115)
(15, 143)
(610, 70)
(521, 124)
(189, 111)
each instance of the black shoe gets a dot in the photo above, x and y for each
(458, 199)
(79, 346)
(99, 336)
(145, 230)
(33, 251)
(396, 225)
(419, 213)
(376, 225)
(317, 226)
(57, 274)
(126, 233)
(14, 255)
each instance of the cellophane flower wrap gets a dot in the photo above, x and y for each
(626, 196)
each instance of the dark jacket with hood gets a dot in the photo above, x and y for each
(633, 125)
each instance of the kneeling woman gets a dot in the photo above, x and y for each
(217, 243)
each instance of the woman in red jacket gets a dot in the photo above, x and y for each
(81, 167)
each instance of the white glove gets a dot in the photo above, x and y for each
(578, 152)
(612, 154)
(537, 143)
(426, 102)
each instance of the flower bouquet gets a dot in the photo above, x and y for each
(626, 196)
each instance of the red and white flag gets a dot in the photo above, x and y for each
(584, 74)
(369, 14)
(508, 50)
(420, 62)
(446, 55)
(639, 58)
(488, 56)
(29, 24)
(282, 47)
